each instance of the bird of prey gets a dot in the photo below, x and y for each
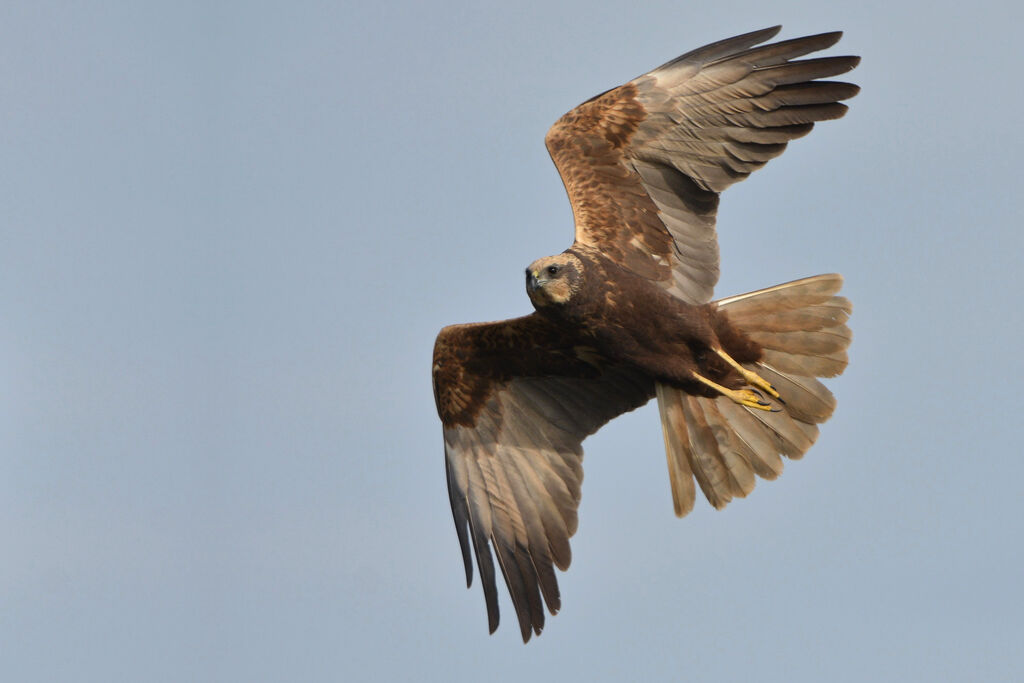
(625, 314)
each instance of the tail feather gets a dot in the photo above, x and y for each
(801, 327)
(752, 439)
(739, 480)
(807, 399)
(709, 461)
(790, 440)
(810, 343)
(673, 425)
(821, 365)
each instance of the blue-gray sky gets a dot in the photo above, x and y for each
(230, 232)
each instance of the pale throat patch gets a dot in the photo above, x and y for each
(558, 291)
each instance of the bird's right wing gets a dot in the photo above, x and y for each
(516, 399)
(643, 164)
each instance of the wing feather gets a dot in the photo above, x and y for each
(538, 538)
(460, 512)
(480, 528)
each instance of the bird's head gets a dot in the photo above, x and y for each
(554, 280)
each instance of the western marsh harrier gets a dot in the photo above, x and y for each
(625, 314)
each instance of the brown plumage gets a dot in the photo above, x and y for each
(625, 314)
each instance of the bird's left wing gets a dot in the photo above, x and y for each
(516, 399)
(643, 163)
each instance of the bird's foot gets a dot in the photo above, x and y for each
(744, 397)
(749, 398)
(751, 378)
(756, 380)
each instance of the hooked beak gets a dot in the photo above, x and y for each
(532, 283)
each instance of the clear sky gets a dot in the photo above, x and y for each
(229, 233)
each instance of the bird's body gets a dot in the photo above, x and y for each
(632, 321)
(626, 314)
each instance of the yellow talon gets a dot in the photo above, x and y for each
(744, 397)
(752, 378)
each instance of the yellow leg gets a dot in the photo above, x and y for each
(745, 397)
(752, 378)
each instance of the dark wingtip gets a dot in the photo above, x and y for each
(844, 63)
(829, 38)
(460, 514)
(842, 90)
(760, 35)
(492, 619)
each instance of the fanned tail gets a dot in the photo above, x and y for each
(801, 327)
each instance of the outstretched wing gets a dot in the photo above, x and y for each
(516, 399)
(643, 164)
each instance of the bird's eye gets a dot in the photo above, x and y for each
(552, 270)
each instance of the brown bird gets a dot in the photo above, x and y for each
(625, 314)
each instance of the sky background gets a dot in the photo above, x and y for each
(229, 233)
